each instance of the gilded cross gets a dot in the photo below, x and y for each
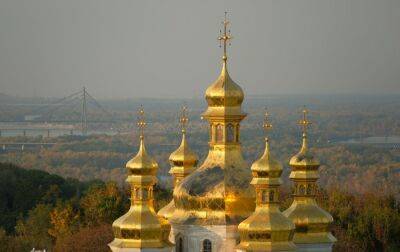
(141, 123)
(304, 122)
(225, 36)
(184, 119)
(266, 125)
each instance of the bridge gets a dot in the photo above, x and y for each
(38, 131)
(7, 147)
(78, 110)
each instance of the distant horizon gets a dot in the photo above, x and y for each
(134, 49)
(166, 97)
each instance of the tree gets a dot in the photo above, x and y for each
(34, 229)
(87, 239)
(64, 220)
(102, 204)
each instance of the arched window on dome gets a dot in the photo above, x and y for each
(212, 130)
(271, 196)
(302, 190)
(309, 189)
(137, 193)
(237, 133)
(230, 133)
(179, 244)
(264, 196)
(207, 247)
(219, 133)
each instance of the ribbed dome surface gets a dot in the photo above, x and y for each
(224, 91)
(224, 96)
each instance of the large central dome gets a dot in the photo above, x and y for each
(219, 191)
(224, 94)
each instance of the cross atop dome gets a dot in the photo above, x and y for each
(225, 36)
(141, 122)
(183, 120)
(304, 123)
(266, 125)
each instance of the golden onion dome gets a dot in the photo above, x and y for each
(311, 221)
(142, 163)
(224, 96)
(304, 157)
(267, 165)
(183, 156)
(183, 161)
(224, 91)
(267, 229)
(219, 191)
(140, 227)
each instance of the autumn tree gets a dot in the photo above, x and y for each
(64, 220)
(102, 204)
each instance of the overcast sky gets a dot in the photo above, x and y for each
(128, 48)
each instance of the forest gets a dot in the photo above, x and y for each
(68, 215)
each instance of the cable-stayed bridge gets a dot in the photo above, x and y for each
(69, 115)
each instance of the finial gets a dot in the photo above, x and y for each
(225, 37)
(184, 119)
(141, 122)
(266, 125)
(304, 123)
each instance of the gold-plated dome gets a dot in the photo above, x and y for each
(224, 97)
(140, 227)
(224, 91)
(267, 229)
(312, 222)
(183, 161)
(142, 163)
(219, 191)
(304, 157)
(267, 165)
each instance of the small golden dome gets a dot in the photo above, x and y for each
(140, 227)
(304, 157)
(183, 162)
(267, 164)
(267, 229)
(311, 221)
(142, 163)
(183, 156)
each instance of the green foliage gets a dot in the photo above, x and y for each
(367, 222)
(102, 204)
(21, 190)
(34, 230)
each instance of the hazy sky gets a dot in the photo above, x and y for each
(128, 48)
